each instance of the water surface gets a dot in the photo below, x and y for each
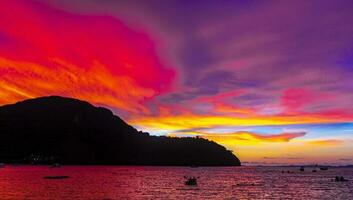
(126, 182)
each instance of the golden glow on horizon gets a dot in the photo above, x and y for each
(189, 121)
(294, 151)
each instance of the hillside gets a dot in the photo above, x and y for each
(70, 131)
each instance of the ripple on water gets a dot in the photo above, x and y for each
(100, 182)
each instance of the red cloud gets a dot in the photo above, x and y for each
(96, 58)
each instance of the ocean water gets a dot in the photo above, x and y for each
(126, 182)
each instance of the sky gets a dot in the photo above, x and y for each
(270, 80)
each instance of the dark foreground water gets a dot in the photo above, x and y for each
(91, 182)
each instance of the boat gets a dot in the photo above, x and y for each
(191, 181)
(340, 179)
(55, 165)
(301, 169)
(323, 168)
(56, 177)
(245, 184)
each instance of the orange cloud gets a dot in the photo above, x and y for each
(244, 137)
(96, 84)
(250, 137)
(330, 142)
(225, 108)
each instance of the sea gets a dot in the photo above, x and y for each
(145, 182)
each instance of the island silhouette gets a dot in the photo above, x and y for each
(56, 129)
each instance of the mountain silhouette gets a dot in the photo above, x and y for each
(70, 131)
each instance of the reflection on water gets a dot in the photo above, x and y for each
(98, 182)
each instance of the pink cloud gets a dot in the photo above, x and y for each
(295, 98)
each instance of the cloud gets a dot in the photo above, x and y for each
(295, 98)
(95, 58)
(330, 142)
(189, 119)
(229, 108)
(283, 158)
(252, 137)
(241, 136)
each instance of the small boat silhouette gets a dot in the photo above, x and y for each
(245, 184)
(301, 169)
(55, 165)
(190, 180)
(323, 168)
(56, 177)
(340, 179)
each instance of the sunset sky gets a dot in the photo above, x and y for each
(270, 80)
